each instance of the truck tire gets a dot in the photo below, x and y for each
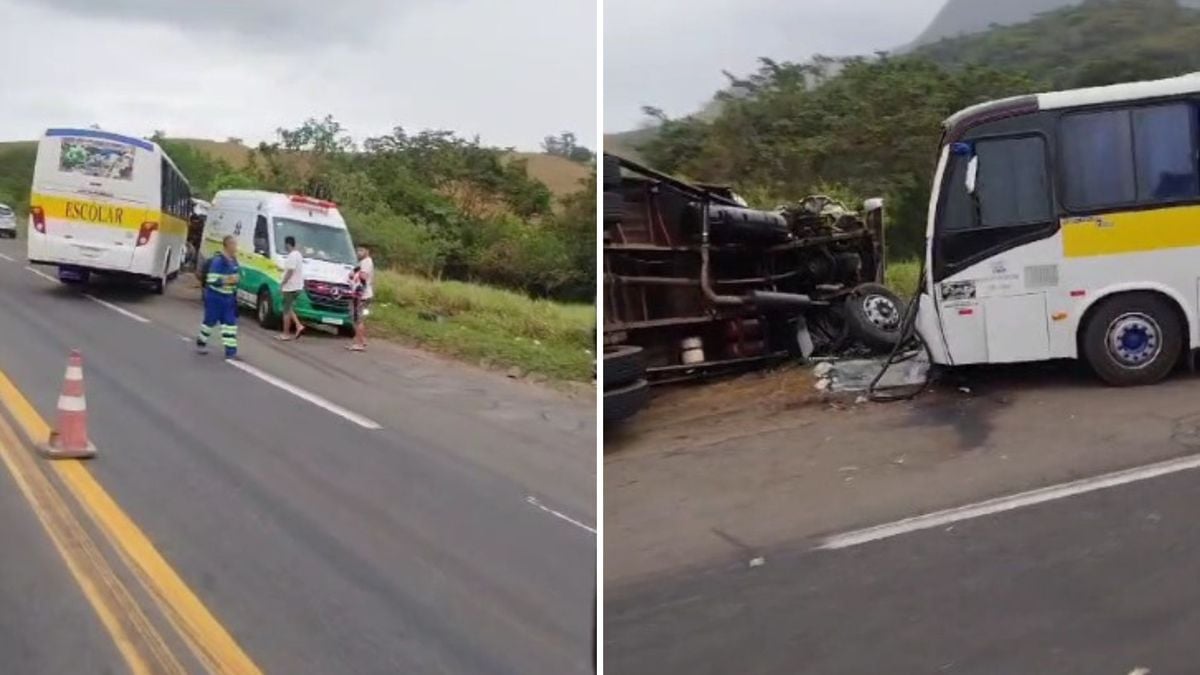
(614, 208)
(621, 404)
(612, 172)
(1133, 339)
(623, 365)
(874, 315)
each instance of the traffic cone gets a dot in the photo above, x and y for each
(70, 439)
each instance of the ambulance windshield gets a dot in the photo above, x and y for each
(315, 241)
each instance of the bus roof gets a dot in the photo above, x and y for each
(104, 135)
(962, 120)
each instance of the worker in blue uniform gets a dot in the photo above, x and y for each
(220, 299)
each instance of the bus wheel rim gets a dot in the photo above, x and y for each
(1134, 340)
(881, 311)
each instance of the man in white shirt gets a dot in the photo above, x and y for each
(291, 286)
(363, 281)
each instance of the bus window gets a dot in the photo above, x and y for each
(1011, 184)
(1008, 200)
(1126, 157)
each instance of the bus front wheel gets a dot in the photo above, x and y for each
(1133, 339)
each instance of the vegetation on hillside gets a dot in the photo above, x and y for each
(1096, 43)
(869, 126)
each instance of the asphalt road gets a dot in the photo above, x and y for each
(1098, 583)
(452, 538)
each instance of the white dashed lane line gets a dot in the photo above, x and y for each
(1008, 503)
(42, 274)
(117, 308)
(104, 303)
(9, 259)
(312, 398)
(534, 501)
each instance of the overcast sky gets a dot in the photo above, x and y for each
(511, 71)
(670, 53)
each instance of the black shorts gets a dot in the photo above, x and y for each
(289, 300)
(358, 309)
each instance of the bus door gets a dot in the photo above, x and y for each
(93, 200)
(992, 264)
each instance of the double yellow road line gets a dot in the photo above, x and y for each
(136, 637)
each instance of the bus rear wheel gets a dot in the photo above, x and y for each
(1133, 339)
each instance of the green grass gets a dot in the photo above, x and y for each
(481, 323)
(902, 277)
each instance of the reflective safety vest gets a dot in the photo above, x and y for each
(220, 275)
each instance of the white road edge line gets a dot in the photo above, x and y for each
(42, 274)
(8, 258)
(534, 501)
(306, 395)
(1008, 503)
(117, 308)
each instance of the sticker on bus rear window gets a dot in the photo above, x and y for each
(96, 158)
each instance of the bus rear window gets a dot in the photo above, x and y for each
(96, 158)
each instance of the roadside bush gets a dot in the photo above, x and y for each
(397, 241)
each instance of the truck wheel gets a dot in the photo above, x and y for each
(614, 207)
(265, 310)
(621, 404)
(623, 365)
(874, 315)
(1133, 339)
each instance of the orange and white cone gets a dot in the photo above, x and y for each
(70, 439)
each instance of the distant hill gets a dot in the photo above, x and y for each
(962, 17)
(559, 174)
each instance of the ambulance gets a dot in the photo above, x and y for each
(262, 221)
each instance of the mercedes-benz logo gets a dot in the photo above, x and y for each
(337, 293)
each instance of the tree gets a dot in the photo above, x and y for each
(566, 145)
(870, 126)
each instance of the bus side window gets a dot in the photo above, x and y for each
(262, 245)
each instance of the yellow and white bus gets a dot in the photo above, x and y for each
(106, 203)
(1067, 225)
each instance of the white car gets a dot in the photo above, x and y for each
(8, 222)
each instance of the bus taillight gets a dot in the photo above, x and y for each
(39, 219)
(148, 228)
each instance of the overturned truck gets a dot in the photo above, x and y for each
(697, 284)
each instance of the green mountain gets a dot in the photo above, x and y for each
(1095, 43)
(962, 17)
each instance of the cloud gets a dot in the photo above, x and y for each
(670, 53)
(349, 20)
(509, 72)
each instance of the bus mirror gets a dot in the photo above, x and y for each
(972, 174)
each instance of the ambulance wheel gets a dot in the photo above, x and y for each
(264, 309)
(1133, 339)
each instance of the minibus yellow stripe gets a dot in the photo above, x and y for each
(106, 215)
(1131, 232)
